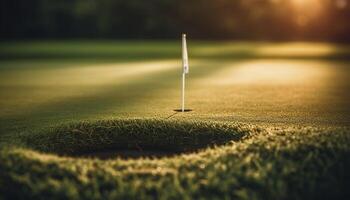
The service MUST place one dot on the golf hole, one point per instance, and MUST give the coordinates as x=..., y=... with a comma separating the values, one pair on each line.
x=180, y=110
x=134, y=139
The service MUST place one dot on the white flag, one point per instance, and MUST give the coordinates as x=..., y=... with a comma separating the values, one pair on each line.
x=184, y=55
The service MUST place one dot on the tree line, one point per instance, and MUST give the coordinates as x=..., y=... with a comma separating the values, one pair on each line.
x=325, y=20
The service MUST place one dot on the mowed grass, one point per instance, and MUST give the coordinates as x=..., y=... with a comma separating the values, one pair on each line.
x=269, y=121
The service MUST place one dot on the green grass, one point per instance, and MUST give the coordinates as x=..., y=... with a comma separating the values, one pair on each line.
x=269, y=120
x=276, y=164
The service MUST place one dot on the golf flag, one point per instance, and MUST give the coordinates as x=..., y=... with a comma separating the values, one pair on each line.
x=184, y=69
x=184, y=55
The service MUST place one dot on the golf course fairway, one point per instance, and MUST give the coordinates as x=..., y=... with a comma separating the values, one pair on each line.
x=268, y=120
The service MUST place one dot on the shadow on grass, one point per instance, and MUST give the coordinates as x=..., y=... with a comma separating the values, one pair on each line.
x=185, y=110
x=117, y=97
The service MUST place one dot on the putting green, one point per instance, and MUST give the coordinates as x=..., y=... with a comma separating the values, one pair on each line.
x=280, y=113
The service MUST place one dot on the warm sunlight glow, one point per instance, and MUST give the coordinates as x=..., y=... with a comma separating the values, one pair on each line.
x=272, y=72
x=305, y=10
x=305, y=3
x=296, y=50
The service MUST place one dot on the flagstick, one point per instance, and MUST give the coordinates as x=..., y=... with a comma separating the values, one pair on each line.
x=185, y=67
x=183, y=92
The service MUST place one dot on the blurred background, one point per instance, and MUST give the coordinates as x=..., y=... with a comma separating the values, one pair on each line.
x=267, y=20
